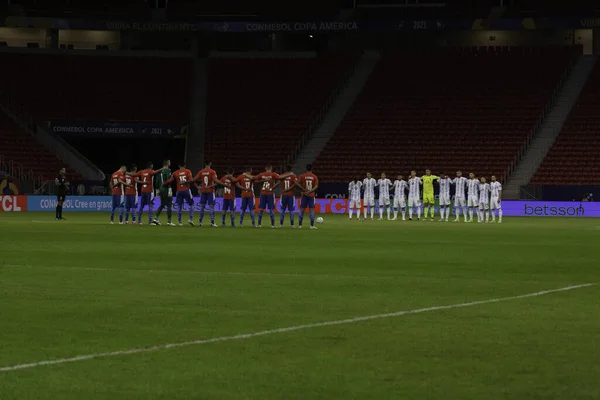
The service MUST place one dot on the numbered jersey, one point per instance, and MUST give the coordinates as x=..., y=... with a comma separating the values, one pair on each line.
x=247, y=184
x=145, y=176
x=269, y=179
x=229, y=191
x=182, y=178
x=384, y=187
x=400, y=188
x=287, y=185
x=461, y=183
x=207, y=177
x=445, y=186
x=368, y=185
x=473, y=187
x=131, y=180
x=117, y=188
x=308, y=181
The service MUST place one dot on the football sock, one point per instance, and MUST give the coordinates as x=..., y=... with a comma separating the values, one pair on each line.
x=133, y=215
x=312, y=217
x=404, y=213
x=260, y=213
x=425, y=211
x=252, y=215
x=211, y=212
x=179, y=214
x=410, y=212
x=201, y=217
x=272, y=214
x=112, y=215
x=192, y=213
x=493, y=212
x=169, y=212
x=242, y=217
x=388, y=213
x=500, y=214
x=350, y=213
x=57, y=213
x=470, y=214
x=291, y=218
x=232, y=215
x=372, y=212
x=281, y=217
x=223, y=218
x=301, y=217
x=395, y=213
x=419, y=212
x=127, y=215
x=487, y=217
x=447, y=212
x=465, y=212
x=365, y=212
x=380, y=212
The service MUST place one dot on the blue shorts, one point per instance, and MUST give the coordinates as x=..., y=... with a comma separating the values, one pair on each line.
x=184, y=196
x=207, y=198
x=228, y=205
x=267, y=200
x=147, y=200
x=130, y=201
x=307, y=202
x=288, y=203
x=248, y=203
x=117, y=201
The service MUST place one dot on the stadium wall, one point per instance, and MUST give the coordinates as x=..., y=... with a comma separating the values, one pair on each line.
x=510, y=208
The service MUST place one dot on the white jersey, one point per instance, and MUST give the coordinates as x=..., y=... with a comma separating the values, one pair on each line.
x=460, y=186
x=413, y=187
x=400, y=188
x=473, y=187
x=368, y=186
x=484, y=192
x=444, y=187
x=384, y=188
x=354, y=190
x=496, y=188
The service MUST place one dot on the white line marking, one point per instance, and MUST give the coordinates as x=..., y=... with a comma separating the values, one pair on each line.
x=280, y=330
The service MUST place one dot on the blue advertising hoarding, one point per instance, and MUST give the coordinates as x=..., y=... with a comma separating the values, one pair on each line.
x=510, y=208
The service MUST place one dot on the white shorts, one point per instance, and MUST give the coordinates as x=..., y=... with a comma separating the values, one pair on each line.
x=445, y=200
x=459, y=201
x=400, y=202
x=495, y=204
x=414, y=201
x=484, y=204
x=384, y=201
x=369, y=201
x=473, y=201
x=354, y=204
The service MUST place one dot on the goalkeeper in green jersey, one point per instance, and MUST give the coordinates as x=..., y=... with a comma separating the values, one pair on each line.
x=428, y=195
x=165, y=193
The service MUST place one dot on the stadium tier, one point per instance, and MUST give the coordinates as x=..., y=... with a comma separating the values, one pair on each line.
x=574, y=159
x=468, y=110
x=99, y=88
x=84, y=8
x=259, y=109
x=22, y=149
x=544, y=8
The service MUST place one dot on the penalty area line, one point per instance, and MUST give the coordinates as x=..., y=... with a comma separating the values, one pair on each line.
x=166, y=346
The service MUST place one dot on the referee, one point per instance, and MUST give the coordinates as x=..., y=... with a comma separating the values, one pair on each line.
x=61, y=192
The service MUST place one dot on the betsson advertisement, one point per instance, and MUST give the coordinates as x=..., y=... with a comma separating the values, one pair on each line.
x=323, y=206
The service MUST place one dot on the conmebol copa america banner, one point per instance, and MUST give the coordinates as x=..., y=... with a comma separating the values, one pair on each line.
x=332, y=206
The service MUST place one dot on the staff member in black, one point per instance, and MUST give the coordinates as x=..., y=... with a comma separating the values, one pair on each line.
x=61, y=191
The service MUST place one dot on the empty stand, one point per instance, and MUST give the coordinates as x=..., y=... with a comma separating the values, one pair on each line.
x=469, y=109
x=22, y=149
x=258, y=109
x=99, y=88
x=544, y=8
x=574, y=159
x=138, y=9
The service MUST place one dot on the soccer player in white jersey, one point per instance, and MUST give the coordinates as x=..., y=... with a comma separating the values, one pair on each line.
x=414, y=194
x=368, y=186
x=460, y=202
x=496, y=189
x=472, y=195
x=400, y=187
x=384, y=195
x=354, y=198
x=444, y=181
x=484, y=200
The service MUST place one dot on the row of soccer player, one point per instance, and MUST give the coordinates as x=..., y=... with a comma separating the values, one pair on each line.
x=472, y=196
x=124, y=184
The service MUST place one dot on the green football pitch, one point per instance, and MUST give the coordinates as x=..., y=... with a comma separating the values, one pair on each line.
x=459, y=311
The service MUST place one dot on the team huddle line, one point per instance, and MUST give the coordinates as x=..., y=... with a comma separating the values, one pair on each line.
x=124, y=186
x=482, y=198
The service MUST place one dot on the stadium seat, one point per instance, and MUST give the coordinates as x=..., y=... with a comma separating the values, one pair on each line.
x=575, y=156
x=469, y=110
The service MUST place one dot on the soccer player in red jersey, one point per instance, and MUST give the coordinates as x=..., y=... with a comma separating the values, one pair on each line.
x=117, y=182
x=208, y=179
x=267, y=195
x=308, y=183
x=147, y=181
x=229, y=196
x=183, y=178
x=131, y=193
x=246, y=184
x=287, y=196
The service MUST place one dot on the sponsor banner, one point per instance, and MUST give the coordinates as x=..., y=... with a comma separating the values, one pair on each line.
x=116, y=129
x=13, y=203
x=323, y=206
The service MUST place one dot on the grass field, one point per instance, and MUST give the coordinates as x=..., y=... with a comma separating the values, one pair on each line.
x=82, y=287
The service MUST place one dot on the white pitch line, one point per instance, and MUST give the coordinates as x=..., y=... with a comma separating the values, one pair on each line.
x=280, y=330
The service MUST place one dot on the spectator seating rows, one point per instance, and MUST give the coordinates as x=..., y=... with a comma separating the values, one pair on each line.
x=259, y=109
x=471, y=110
x=574, y=159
